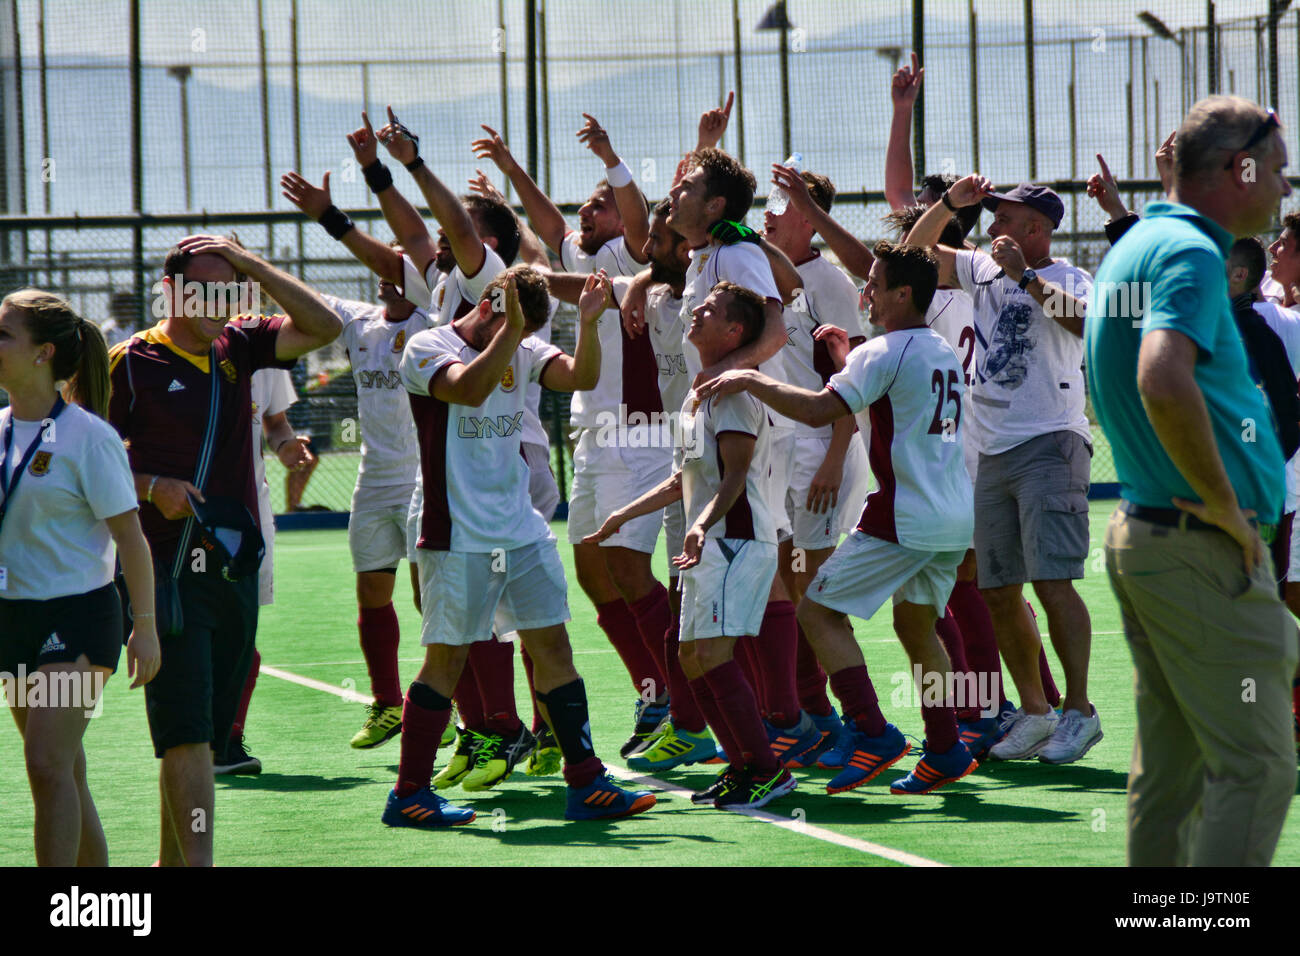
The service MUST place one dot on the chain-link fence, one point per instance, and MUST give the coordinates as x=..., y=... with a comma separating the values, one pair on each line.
x=120, y=120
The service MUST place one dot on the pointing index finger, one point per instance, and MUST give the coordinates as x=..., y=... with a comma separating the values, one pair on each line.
x=726, y=109
x=1105, y=170
x=366, y=120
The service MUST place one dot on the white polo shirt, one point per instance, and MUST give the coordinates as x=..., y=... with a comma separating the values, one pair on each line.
x=54, y=542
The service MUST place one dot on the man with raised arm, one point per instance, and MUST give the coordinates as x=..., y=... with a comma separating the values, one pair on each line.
x=185, y=379
x=912, y=533
x=487, y=557
x=1031, y=491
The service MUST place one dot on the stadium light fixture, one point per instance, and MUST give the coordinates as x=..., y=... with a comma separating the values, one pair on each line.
x=777, y=19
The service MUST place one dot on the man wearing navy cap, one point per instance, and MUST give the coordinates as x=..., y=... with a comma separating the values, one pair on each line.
x=1031, y=490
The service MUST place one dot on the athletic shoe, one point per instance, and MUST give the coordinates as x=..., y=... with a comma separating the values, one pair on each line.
x=546, y=756
x=793, y=742
x=461, y=762
x=649, y=717
x=673, y=748
x=831, y=729
x=754, y=789
x=837, y=754
x=237, y=759
x=495, y=758
x=382, y=724
x=936, y=770
x=725, y=781
x=870, y=756
x=424, y=808
x=605, y=800
x=1074, y=736
x=980, y=734
x=1026, y=735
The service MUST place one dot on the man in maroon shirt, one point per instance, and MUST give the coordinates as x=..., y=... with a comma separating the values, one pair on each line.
x=160, y=404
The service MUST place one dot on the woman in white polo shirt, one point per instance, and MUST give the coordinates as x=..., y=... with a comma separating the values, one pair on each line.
x=66, y=496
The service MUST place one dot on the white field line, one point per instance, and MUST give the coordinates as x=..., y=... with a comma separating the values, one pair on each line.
x=786, y=823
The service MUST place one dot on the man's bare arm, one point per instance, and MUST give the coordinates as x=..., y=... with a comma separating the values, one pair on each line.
x=543, y=214
x=899, y=174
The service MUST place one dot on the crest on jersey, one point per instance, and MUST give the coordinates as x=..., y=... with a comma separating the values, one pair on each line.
x=40, y=464
x=399, y=342
x=228, y=370
x=508, y=379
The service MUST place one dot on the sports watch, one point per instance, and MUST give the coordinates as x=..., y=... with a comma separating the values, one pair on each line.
x=1028, y=276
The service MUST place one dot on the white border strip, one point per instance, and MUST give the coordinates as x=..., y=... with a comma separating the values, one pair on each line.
x=786, y=823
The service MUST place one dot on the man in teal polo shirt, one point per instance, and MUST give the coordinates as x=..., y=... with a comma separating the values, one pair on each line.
x=1202, y=480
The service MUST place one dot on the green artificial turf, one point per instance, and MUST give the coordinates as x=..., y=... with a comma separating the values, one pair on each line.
x=318, y=801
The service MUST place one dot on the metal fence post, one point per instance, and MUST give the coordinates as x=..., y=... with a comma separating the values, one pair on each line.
x=1032, y=125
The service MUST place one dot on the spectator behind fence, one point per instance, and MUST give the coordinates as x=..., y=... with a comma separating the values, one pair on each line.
x=1201, y=477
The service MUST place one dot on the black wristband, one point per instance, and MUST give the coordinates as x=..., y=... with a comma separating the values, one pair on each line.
x=336, y=222
x=416, y=163
x=946, y=201
x=378, y=178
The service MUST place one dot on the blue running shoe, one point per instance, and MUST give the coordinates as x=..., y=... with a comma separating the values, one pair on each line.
x=648, y=718
x=791, y=744
x=604, y=800
x=870, y=756
x=980, y=734
x=936, y=770
x=837, y=754
x=831, y=727
x=424, y=808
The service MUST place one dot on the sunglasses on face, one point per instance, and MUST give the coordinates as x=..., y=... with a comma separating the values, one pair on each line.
x=1264, y=129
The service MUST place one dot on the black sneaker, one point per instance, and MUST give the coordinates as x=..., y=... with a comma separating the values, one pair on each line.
x=725, y=782
x=495, y=757
x=755, y=789
x=236, y=759
x=649, y=718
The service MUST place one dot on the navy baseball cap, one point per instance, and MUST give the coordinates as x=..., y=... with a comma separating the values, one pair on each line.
x=1039, y=198
x=229, y=533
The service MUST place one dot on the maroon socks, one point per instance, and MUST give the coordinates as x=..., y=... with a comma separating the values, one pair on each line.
x=247, y=695
x=379, y=636
x=775, y=650
x=616, y=620
x=852, y=686
x=810, y=679
x=424, y=718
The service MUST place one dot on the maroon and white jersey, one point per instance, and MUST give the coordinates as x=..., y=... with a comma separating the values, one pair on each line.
x=390, y=454
x=663, y=325
x=627, y=369
x=696, y=456
x=746, y=265
x=910, y=383
x=475, y=476
x=827, y=297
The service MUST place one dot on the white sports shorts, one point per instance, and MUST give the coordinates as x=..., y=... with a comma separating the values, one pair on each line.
x=377, y=537
x=725, y=595
x=864, y=571
x=467, y=595
x=815, y=531
x=607, y=477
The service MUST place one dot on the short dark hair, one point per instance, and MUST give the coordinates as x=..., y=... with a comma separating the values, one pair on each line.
x=820, y=188
x=662, y=207
x=725, y=177
x=1292, y=221
x=747, y=310
x=938, y=183
x=176, y=262
x=905, y=217
x=1248, y=253
x=908, y=265
x=501, y=223
x=534, y=295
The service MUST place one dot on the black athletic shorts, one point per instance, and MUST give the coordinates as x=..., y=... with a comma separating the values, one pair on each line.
x=194, y=697
x=60, y=630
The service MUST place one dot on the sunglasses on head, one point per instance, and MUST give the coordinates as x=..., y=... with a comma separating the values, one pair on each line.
x=1266, y=127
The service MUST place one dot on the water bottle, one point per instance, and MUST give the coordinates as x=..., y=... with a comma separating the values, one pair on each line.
x=777, y=199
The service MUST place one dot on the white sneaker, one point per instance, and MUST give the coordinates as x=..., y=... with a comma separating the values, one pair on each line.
x=1074, y=737
x=1027, y=735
